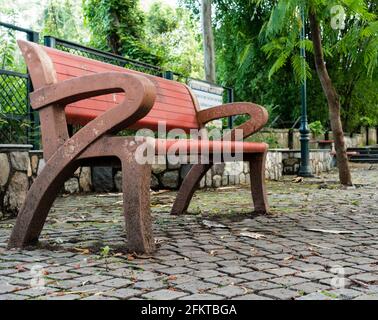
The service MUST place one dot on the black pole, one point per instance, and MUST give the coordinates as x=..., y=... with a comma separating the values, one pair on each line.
x=230, y=99
x=34, y=134
x=305, y=168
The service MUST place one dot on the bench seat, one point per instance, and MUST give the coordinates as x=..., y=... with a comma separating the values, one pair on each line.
x=206, y=146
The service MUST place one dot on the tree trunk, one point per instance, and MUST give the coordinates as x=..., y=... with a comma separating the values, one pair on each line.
x=208, y=41
x=333, y=102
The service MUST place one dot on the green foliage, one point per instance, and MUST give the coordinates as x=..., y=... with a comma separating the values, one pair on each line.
x=118, y=26
x=367, y=122
x=64, y=20
x=261, y=59
x=105, y=251
x=174, y=36
x=352, y=53
x=316, y=128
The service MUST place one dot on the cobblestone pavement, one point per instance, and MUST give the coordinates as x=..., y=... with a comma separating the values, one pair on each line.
x=221, y=252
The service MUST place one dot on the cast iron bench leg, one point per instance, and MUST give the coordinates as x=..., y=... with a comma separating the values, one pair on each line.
x=257, y=174
x=188, y=187
x=136, y=179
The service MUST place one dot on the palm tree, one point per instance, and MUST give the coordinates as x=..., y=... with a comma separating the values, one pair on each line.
x=358, y=41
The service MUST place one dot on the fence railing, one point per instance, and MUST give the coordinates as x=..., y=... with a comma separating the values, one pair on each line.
x=20, y=124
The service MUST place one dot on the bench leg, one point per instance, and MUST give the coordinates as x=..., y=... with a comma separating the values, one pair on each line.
x=188, y=187
x=39, y=199
x=257, y=175
x=136, y=179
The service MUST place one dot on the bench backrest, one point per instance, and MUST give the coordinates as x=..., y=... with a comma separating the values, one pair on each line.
x=174, y=104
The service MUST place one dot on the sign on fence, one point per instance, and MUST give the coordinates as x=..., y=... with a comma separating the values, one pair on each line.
x=208, y=95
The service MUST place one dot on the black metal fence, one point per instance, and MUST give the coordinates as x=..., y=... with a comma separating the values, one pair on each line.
x=18, y=123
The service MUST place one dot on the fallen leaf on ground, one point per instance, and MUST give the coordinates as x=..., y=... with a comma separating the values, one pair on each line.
x=331, y=231
x=252, y=235
x=82, y=251
x=20, y=268
x=212, y=224
x=213, y=252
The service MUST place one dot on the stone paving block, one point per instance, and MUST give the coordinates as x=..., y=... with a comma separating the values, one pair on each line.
x=303, y=266
x=308, y=287
x=202, y=296
x=228, y=291
x=251, y=296
x=261, y=285
x=10, y=296
x=145, y=275
x=368, y=277
x=63, y=284
x=336, y=284
x=99, y=297
x=6, y=287
x=196, y=286
x=283, y=271
x=124, y=293
x=233, y=270
x=181, y=278
x=288, y=280
x=150, y=285
x=279, y=293
x=367, y=297
x=175, y=270
x=116, y=283
x=90, y=289
x=60, y=297
x=164, y=294
x=92, y=279
x=372, y=267
x=202, y=266
x=315, y=296
x=264, y=266
x=345, y=293
x=255, y=275
x=204, y=274
x=37, y=291
x=63, y=276
x=314, y=275
x=360, y=260
x=224, y=280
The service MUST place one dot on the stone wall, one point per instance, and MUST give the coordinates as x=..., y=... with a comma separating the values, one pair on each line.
x=285, y=138
x=170, y=176
x=320, y=161
x=19, y=167
x=15, y=178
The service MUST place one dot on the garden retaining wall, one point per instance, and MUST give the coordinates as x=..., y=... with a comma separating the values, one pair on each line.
x=19, y=167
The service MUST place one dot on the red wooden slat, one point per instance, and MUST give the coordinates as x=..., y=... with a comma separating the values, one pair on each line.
x=158, y=110
x=81, y=116
x=86, y=64
x=173, y=103
x=65, y=72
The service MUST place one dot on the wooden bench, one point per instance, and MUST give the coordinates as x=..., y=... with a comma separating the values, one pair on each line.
x=105, y=99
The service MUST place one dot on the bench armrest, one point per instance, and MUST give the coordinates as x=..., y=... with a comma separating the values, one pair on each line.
x=80, y=88
x=259, y=116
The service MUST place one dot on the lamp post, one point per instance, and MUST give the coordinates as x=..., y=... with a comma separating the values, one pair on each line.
x=304, y=169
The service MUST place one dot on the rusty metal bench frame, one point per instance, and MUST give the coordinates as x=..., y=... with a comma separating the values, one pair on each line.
x=97, y=141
